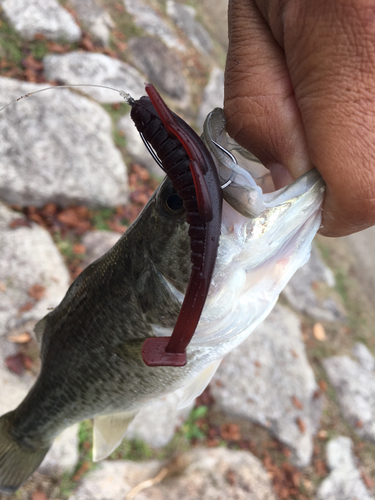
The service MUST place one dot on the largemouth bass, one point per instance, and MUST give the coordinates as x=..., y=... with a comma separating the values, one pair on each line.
x=92, y=365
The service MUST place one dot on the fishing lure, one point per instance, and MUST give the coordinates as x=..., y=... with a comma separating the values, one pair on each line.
x=193, y=174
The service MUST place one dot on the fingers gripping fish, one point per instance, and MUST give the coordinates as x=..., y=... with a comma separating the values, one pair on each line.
x=91, y=344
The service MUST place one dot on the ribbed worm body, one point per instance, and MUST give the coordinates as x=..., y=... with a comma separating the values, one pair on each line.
x=193, y=174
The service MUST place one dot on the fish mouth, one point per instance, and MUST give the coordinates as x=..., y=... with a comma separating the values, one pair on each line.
x=247, y=184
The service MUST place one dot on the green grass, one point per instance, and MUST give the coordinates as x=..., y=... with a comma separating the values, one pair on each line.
x=100, y=218
x=193, y=428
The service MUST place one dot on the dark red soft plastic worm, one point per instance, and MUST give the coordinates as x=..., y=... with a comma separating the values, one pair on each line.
x=193, y=174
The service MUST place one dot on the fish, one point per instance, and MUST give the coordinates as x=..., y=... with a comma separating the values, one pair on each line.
x=92, y=364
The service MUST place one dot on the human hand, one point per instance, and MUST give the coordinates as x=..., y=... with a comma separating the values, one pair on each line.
x=300, y=92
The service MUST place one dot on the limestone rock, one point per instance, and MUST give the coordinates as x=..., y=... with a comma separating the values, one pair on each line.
x=184, y=17
x=48, y=17
x=299, y=291
x=213, y=95
x=63, y=455
x=98, y=69
x=57, y=147
x=355, y=391
x=135, y=147
x=97, y=243
x=364, y=356
x=344, y=481
x=162, y=67
x=158, y=431
x=147, y=18
x=28, y=257
x=202, y=473
x=268, y=380
x=94, y=18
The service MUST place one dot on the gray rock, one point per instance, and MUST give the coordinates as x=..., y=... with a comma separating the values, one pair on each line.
x=57, y=147
x=97, y=243
x=268, y=380
x=184, y=17
x=364, y=356
x=213, y=95
x=94, y=18
x=207, y=474
x=162, y=67
x=135, y=147
x=63, y=455
x=98, y=69
x=157, y=432
x=28, y=257
x=48, y=17
x=344, y=481
x=146, y=18
x=355, y=391
x=299, y=291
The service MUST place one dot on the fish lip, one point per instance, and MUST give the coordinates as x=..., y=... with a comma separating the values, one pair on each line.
x=244, y=194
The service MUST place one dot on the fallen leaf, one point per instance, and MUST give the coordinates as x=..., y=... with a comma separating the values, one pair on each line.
x=79, y=249
x=39, y=495
x=368, y=481
x=301, y=424
x=3, y=286
x=22, y=338
x=319, y=332
x=322, y=434
x=37, y=292
x=323, y=385
x=19, y=222
x=26, y=307
x=359, y=424
x=320, y=467
x=15, y=364
x=297, y=403
x=230, y=432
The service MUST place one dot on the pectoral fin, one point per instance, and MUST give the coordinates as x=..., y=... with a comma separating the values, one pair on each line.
x=108, y=433
x=39, y=329
x=198, y=384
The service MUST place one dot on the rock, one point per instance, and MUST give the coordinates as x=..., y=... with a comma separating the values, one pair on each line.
x=207, y=474
x=344, y=481
x=48, y=17
x=268, y=380
x=94, y=18
x=355, y=392
x=97, y=243
x=299, y=291
x=184, y=17
x=135, y=147
x=57, y=147
x=28, y=257
x=158, y=431
x=213, y=95
x=147, y=19
x=364, y=356
x=98, y=69
x=63, y=455
x=162, y=67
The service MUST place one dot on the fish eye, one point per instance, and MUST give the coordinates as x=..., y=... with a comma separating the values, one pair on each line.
x=174, y=202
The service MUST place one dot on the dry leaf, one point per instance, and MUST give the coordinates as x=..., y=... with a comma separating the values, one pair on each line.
x=301, y=424
x=79, y=248
x=37, y=292
x=3, y=286
x=322, y=434
x=39, y=495
x=22, y=338
x=230, y=432
x=26, y=307
x=323, y=385
x=297, y=403
x=319, y=332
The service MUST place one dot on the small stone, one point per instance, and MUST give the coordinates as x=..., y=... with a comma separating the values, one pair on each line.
x=94, y=18
x=184, y=17
x=162, y=67
x=84, y=67
x=345, y=481
x=146, y=18
x=355, y=392
x=46, y=17
x=364, y=356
